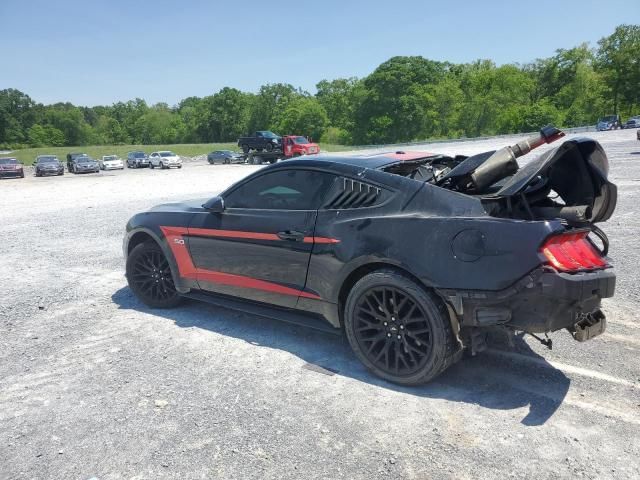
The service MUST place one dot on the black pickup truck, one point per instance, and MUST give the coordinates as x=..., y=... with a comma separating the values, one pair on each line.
x=261, y=140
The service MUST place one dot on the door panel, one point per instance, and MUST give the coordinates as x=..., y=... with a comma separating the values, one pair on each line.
x=239, y=252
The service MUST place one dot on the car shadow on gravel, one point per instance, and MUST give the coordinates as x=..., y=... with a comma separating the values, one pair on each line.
x=489, y=380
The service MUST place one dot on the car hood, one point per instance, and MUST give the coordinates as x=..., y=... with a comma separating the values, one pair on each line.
x=186, y=206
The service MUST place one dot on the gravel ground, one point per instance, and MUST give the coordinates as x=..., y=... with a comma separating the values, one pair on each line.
x=93, y=384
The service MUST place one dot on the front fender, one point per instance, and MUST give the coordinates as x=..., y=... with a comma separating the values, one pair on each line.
x=139, y=234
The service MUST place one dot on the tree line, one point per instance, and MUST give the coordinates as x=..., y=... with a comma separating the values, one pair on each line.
x=403, y=99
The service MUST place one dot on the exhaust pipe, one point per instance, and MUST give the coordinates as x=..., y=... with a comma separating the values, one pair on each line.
x=503, y=162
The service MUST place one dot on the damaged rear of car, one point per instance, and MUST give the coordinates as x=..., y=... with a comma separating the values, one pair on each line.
x=540, y=226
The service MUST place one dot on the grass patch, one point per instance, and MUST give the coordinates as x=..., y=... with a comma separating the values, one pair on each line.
x=28, y=155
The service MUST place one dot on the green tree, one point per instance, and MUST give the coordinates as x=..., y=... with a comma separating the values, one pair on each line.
x=269, y=104
x=303, y=116
x=339, y=99
x=45, y=136
x=394, y=107
x=222, y=117
x=618, y=58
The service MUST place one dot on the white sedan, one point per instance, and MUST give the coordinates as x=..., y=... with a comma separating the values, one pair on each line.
x=164, y=159
x=111, y=162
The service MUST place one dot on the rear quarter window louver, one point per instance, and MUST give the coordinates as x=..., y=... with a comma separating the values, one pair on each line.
x=347, y=193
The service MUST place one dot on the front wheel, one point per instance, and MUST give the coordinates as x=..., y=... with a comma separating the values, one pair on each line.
x=149, y=276
x=151, y=166
x=397, y=329
x=269, y=147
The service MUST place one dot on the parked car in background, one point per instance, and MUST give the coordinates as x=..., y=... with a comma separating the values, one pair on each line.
x=638, y=134
x=164, y=159
x=224, y=156
x=633, y=122
x=610, y=122
x=261, y=140
x=48, y=165
x=71, y=157
x=137, y=159
x=111, y=162
x=11, y=167
x=84, y=164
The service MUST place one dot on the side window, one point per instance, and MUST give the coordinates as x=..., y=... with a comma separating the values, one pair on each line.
x=282, y=190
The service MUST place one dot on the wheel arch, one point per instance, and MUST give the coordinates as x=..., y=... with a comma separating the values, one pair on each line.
x=142, y=235
x=369, y=267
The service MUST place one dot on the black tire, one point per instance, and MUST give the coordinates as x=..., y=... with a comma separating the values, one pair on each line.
x=245, y=148
x=149, y=276
x=269, y=147
x=398, y=329
x=151, y=166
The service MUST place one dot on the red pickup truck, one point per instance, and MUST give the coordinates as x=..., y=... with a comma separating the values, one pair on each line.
x=295, y=145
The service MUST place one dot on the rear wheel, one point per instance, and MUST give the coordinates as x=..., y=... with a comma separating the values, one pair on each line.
x=400, y=331
x=269, y=147
x=149, y=276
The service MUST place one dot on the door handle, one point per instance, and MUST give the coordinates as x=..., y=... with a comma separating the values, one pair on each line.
x=291, y=235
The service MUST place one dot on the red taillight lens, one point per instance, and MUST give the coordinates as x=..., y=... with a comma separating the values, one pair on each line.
x=571, y=252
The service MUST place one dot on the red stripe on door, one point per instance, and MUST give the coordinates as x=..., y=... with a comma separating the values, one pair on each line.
x=248, y=282
x=187, y=269
x=211, y=232
x=320, y=240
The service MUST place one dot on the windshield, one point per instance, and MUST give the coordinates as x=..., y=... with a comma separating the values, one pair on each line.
x=167, y=154
x=110, y=157
x=8, y=161
x=50, y=159
x=266, y=134
x=301, y=140
x=138, y=155
x=608, y=118
x=84, y=159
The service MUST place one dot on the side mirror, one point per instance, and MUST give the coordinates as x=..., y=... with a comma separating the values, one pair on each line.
x=214, y=205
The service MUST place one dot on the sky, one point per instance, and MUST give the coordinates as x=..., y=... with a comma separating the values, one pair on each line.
x=97, y=52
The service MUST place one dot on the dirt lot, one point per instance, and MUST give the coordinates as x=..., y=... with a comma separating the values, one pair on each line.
x=93, y=384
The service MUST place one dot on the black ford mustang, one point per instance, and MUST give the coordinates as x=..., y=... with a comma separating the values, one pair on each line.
x=416, y=256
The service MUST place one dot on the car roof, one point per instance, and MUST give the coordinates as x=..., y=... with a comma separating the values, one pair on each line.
x=373, y=161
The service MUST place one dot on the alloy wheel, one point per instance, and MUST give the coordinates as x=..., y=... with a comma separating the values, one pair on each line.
x=151, y=276
x=392, y=330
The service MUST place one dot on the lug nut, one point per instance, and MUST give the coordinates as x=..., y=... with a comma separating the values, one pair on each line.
x=389, y=335
x=399, y=337
x=401, y=327
x=385, y=324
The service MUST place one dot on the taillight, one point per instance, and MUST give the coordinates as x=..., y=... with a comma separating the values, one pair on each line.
x=572, y=252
